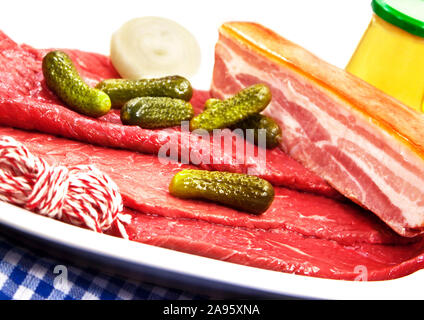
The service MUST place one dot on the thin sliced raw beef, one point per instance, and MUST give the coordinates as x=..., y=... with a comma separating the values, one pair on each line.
x=300, y=233
x=281, y=250
x=26, y=102
x=366, y=144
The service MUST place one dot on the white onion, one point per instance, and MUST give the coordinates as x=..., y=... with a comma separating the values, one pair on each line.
x=154, y=47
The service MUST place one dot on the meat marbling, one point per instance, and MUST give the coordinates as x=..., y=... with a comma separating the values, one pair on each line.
x=366, y=144
x=301, y=232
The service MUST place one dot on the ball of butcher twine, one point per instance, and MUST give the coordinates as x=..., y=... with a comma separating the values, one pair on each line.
x=80, y=195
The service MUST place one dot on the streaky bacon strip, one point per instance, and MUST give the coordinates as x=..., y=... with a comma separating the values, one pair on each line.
x=26, y=103
x=366, y=144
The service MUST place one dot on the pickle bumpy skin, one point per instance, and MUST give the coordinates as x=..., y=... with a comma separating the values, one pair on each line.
x=122, y=90
x=210, y=103
x=236, y=190
x=255, y=122
x=259, y=121
x=226, y=113
x=156, y=112
x=63, y=79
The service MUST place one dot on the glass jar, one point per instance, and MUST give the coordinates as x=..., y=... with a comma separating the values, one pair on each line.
x=390, y=55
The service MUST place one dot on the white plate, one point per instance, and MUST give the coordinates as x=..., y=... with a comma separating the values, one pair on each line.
x=296, y=20
x=191, y=272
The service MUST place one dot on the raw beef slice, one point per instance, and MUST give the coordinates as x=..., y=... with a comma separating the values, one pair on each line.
x=26, y=102
x=300, y=233
x=367, y=145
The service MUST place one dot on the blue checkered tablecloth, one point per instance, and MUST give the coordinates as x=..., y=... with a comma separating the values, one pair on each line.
x=30, y=275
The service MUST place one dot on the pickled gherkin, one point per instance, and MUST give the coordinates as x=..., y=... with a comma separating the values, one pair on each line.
x=63, y=79
x=210, y=102
x=226, y=113
x=255, y=122
x=156, y=112
x=236, y=190
x=122, y=90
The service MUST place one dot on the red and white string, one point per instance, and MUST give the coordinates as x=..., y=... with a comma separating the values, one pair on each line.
x=80, y=195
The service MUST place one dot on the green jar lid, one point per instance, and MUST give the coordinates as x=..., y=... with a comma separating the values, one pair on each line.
x=405, y=14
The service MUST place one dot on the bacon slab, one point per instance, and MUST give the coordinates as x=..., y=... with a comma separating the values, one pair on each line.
x=367, y=145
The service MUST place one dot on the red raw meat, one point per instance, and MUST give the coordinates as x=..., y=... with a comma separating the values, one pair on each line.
x=366, y=144
x=280, y=250
x=300, y=233
x=25, y=102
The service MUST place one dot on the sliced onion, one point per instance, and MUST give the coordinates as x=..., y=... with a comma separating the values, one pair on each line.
x=154, y=47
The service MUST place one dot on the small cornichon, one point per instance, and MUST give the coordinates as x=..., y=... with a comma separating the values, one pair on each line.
x=226, y=113
x=236, y=190
x=63, y=79
x=156, y=112
x=256, y=122
x=122, y=90
x=210, y=103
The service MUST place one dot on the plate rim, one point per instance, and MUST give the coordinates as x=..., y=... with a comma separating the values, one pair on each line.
x=184, y=264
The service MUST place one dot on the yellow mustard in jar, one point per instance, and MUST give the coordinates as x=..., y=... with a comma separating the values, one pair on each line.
x=390, y=55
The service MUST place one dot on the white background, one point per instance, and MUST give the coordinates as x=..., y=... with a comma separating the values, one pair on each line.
x=330, y=29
